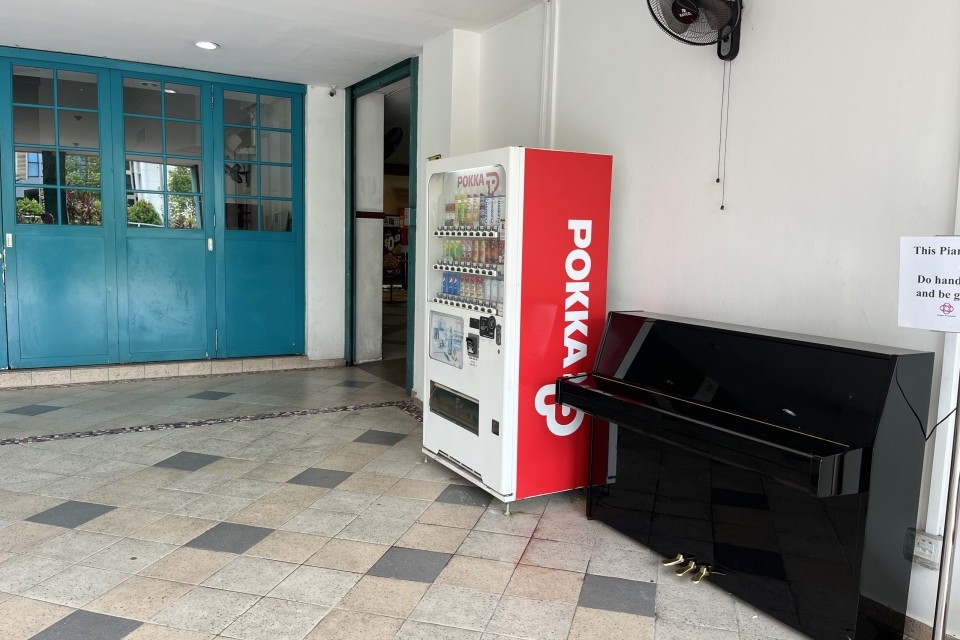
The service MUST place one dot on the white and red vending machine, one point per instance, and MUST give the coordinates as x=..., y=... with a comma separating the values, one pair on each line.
x=516, y=263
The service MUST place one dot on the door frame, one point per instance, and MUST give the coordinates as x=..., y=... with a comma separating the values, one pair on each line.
x=407, y=69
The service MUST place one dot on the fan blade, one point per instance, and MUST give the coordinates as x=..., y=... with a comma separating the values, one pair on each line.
x=719, y=13
x=670, y=22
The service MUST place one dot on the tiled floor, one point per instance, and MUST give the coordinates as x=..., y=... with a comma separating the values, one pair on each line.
x=307, y=523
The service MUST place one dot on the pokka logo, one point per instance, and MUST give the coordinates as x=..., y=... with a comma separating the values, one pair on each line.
x=490, y=180
x=577, y=305
x=946, y=309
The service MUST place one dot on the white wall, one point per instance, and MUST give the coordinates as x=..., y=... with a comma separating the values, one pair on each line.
x=844, y=134
x=510, y=77
x=324, y=233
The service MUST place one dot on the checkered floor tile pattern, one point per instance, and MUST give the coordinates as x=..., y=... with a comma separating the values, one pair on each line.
x=322, y=526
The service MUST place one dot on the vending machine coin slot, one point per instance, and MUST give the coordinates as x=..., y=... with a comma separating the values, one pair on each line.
x=495, y=427
x=498, y=335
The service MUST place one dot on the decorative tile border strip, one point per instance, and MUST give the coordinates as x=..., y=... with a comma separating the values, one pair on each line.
x=407, y=406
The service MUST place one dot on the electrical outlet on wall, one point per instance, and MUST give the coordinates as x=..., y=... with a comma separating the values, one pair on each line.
x=925, y=549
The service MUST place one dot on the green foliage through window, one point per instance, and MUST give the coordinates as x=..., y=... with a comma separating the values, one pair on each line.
x=144, y=212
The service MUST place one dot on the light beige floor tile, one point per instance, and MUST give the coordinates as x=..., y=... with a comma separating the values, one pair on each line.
x=431, y=537
x=206, y=610
x=413, y=630
x=374, y=530
x=139, y=598
x=213, y=507
x=272, y=619
x=348, y=555
x=557, y=555
x=756, y=623
x=74, y=545
x=129, y=555
x=23, y=618
x=384, y=596
x=288, y=546
x=22, y=572
x=594, y=623
x=515, y=524
x=20, y=506
x=343, y=461
x=540, y=583
x=568, y=525
x=267, y=512
x=192, y=566
x=122, y=521
x=641, y=565
x=406, y=509
x=158, y=632
x=456, y=607
x=319, y=523
x=705, y=605
x=451, y=515
x=665, y=629
x=231, y=467
x=76, y=586
x=246, y=574
x=342, y=624
x=365, y=482
x=345, y=502
x=315, y=585
x=533, y=619
x=23, y=536
x=419, y=489
x=476, y=573
x=173, y=529
x=272, y=472
x=494, y=546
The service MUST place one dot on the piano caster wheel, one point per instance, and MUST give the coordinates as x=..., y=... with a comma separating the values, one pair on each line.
x=687, y=568
x=680, y=559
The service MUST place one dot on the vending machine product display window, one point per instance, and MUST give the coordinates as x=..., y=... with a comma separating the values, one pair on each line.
x=516, y=264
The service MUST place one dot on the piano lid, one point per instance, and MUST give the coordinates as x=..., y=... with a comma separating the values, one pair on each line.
x=832, y=390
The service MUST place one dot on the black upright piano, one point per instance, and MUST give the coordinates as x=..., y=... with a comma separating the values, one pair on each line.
x=783, y=468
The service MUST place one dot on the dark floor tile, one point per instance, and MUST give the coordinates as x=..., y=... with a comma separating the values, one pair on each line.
x=89, y=625
x=314, y=477
x=188, y=461
x=71, y=514
x=353, y=384
x=617, y=594
x=211, y=395
x=230, y=537
x=379, y=437
x=410, y=564
x=33, y=409
x=465, y=494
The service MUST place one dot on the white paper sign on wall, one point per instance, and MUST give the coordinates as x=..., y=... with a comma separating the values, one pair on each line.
x=930, y=283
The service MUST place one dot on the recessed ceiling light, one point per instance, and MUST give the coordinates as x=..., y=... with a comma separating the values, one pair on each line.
x=206, y=44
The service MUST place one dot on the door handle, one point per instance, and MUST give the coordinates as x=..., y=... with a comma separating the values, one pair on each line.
x=209, y=244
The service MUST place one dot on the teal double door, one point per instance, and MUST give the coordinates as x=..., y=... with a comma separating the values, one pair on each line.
x=147, y=216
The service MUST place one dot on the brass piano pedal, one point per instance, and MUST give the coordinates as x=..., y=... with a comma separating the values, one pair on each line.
x=703, y=572
x=680, y=559
x=687, y=568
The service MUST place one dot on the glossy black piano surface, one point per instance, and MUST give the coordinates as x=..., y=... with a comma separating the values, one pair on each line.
x=789, y=464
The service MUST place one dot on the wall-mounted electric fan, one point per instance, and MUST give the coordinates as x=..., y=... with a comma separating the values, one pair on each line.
x=701, y=22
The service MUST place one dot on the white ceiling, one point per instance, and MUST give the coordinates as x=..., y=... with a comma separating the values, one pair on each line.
x=310, y=41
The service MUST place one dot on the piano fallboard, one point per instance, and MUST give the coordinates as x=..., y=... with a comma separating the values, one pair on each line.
x=818, y=466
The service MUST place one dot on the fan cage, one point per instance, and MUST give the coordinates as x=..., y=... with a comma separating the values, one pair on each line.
x=699, y=33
